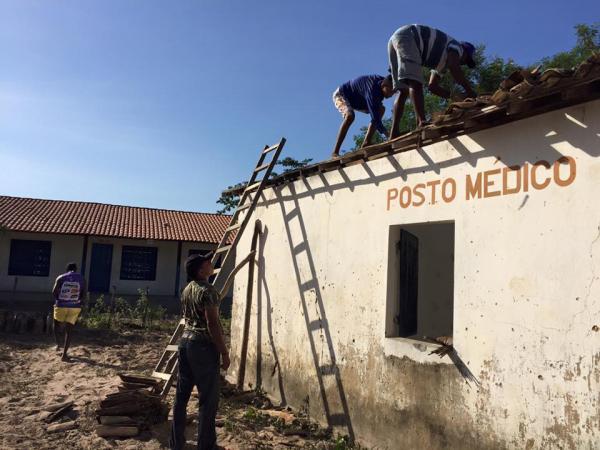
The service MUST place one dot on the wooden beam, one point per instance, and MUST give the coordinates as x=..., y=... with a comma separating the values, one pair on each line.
x=249, y=286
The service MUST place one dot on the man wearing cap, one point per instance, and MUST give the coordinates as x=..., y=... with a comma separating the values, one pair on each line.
x=413, y=47
x=201, y=348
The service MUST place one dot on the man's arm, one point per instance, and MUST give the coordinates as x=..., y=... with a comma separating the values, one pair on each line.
x=434, y=85
x=216, y=334
x=453, y=64
x=376, y=111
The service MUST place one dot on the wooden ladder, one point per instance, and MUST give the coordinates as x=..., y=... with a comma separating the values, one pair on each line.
x=166, y=369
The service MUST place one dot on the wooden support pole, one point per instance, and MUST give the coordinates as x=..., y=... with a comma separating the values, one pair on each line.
x=246, y=330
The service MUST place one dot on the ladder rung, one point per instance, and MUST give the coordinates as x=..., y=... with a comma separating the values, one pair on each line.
x=263, y=167
x=270, y=149
x=328, y=369
x=253, y=186
x=172, y=348
x=307, y=285
x=316, y=325
x=299, y=248
x=233, y=227
x=337, y=419
x=216, y=270
x=222, y=249
x=291, y=214
x=162, y=376
x=245, y=206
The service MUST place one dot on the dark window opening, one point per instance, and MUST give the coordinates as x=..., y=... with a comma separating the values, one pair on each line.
x=29, y=258
x=421, y=281
x=138, y=263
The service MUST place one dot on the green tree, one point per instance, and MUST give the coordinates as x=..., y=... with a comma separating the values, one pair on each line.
x=229, y=200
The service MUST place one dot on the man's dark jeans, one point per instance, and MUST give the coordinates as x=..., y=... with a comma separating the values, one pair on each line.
x=198, y=366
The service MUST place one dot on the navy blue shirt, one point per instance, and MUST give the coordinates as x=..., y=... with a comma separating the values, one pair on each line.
x=364, y=94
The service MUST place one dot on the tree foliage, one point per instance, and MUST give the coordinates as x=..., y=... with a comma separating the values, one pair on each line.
x=490, y=71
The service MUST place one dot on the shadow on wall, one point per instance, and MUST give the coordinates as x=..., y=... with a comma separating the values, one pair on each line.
x=542, y=138
x=333, y=396
x=263, y=289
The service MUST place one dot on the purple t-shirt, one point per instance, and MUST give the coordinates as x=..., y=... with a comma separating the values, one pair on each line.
x=69, y=289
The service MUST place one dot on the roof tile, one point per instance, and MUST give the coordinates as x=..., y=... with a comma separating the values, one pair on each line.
x=99, y=219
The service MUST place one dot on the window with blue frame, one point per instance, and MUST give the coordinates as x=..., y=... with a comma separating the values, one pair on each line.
x=138, y=263
x=29, y=258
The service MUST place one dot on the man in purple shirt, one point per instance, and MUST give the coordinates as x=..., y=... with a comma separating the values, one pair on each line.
x=364, y=94
x=69, y=289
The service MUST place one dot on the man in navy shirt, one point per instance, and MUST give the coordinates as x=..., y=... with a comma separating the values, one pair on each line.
x=364, y=94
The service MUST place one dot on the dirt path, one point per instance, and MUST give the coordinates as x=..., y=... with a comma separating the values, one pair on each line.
x=33, y=376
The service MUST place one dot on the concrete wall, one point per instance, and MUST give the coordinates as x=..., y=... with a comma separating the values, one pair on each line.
x=66, y=248
x=526, y=292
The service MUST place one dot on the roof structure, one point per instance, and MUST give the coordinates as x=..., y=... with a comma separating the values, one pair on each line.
x=98, y=219
x=523, y=94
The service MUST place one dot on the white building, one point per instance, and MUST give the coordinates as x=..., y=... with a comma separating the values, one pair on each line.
x=119, y=249
x=490, y=237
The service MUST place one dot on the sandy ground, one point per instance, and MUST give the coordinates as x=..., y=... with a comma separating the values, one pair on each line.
x=32, y=376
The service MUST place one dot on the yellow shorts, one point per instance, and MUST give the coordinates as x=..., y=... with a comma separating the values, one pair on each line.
x=69, y=315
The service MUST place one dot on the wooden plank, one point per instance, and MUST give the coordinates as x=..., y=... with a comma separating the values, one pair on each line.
x=116, y=420
x=249, y=287
x=117, y=431
x=223, y=249
x=162, y=376
x=60, y=427
x=260, y=168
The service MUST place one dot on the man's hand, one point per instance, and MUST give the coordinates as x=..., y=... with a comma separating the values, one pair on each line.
x=225, y=361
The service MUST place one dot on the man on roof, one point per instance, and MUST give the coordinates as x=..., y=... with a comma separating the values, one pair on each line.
x=364, y=94
x=413, y=47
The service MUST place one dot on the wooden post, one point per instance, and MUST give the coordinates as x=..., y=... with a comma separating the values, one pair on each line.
x=249, y=286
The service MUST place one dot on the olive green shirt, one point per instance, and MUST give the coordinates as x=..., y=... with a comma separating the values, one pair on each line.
x=196, y=296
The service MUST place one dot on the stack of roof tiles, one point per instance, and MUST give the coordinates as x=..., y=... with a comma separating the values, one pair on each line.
x=97, y=219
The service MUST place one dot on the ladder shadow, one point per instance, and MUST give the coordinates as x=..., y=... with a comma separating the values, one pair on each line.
x=262, y=287
x=336, y=413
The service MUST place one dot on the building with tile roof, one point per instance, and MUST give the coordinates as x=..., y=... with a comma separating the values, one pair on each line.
x=119, y=249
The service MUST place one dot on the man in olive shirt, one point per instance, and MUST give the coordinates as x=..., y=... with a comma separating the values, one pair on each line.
x=201, y=346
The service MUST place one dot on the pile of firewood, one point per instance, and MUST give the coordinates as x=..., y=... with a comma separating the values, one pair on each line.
x=133, y=408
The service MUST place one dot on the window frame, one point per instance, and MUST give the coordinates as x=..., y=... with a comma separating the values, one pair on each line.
x=126, y=254
x=15, y=267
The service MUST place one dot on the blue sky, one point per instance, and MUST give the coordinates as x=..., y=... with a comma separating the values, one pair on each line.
x=164, y=103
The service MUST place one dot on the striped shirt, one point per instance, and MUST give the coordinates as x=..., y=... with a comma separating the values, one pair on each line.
x=433, y=45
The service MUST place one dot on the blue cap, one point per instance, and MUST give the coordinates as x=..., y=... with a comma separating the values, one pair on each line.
x=469, y=50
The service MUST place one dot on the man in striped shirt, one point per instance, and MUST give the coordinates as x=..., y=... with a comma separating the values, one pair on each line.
x=413, y=47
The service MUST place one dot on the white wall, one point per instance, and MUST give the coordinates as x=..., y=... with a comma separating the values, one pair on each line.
x=67, y=248
x=526, y=293
x=64, y=250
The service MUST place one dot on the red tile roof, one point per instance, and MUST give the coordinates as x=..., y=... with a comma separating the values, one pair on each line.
x=98, y=219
